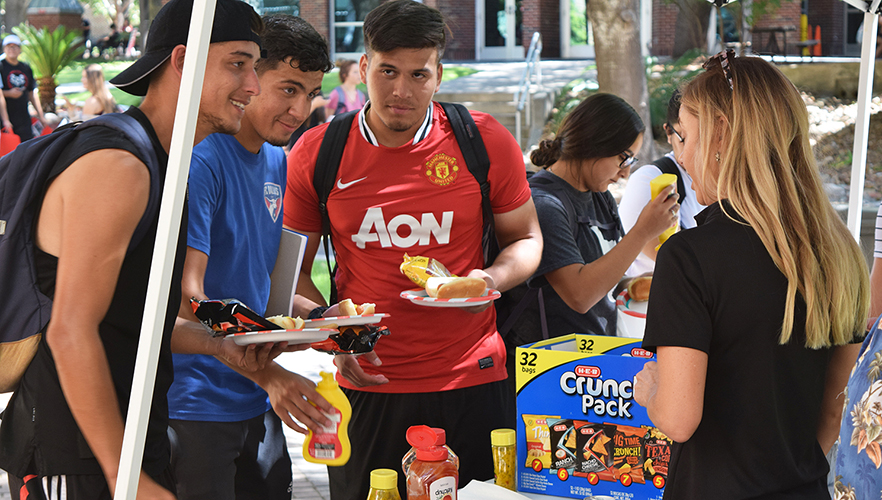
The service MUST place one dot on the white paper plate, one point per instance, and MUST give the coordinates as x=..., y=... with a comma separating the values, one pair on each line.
x=304, y=336
x=369, y=319
x=419, y=297
x=631, y=316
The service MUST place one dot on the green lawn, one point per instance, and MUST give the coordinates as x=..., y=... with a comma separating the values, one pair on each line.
x=112, y=68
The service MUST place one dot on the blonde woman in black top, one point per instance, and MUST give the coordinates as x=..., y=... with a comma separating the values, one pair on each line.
x=753, y=314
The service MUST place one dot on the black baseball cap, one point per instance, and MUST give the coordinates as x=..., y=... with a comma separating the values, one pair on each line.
x=170, y=28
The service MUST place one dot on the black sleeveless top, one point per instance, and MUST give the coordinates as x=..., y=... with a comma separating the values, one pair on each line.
x=38, y=434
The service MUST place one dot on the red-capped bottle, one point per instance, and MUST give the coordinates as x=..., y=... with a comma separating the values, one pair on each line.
x=441, y=440
x=431, y=476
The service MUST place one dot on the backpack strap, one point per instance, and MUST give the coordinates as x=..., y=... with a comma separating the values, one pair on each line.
x=669, y=166
x=326, y=166
x=341, y=101
x=475, y=155
x=133, y=130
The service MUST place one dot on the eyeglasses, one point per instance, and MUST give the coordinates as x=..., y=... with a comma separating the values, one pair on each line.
x=628, y=159
x=723, y=58
x=674, y=131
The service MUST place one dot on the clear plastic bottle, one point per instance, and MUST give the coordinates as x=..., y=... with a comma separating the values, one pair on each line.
x=431, y=476
x=503, y=443
x=384, y=485
x=441, y=440
x=331, y=445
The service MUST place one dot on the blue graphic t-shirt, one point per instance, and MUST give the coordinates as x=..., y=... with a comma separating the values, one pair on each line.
x=235, y=219
x=858, y=460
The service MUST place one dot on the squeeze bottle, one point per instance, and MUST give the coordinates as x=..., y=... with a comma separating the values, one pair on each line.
x=441, y=440
x=431, y=476
x=655, y=187
x=331, y=445
x=384, y=485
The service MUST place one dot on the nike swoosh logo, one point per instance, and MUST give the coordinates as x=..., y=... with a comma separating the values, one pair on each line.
x=342, y=185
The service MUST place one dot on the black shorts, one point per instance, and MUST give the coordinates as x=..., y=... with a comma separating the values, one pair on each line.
x=231, y=460
x=379, y=422
x=71, y=487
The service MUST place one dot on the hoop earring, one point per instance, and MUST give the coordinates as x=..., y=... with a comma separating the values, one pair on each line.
x=717, y=157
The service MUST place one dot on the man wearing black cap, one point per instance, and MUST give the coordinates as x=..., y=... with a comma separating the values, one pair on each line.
x=61, y=434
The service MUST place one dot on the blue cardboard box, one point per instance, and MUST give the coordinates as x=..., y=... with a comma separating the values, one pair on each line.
x=580, y=432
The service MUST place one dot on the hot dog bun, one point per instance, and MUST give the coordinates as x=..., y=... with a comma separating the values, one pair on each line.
x=638, y=288
x=455, y=288
x=287, y=322
x=348, y=308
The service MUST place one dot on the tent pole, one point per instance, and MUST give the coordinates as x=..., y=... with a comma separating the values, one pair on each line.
x=170, y=213
x=862, y=124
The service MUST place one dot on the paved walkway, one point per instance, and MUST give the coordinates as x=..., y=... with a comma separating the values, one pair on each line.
x=505, y=76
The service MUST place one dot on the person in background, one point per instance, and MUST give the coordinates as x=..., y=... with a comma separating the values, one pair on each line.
x=19, y=89
x=100, y=101
x=753, y=314
x=593, y=148
x=346, y=97
x=227, y=440
x=637, y=191
x=61, y=434
x=440, y=367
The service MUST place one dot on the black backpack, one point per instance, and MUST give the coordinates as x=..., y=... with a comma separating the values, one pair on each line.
x=467, y=136
x=24, y=173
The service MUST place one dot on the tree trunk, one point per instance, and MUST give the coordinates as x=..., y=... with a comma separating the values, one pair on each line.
x=16, y=13
x=47, y=93
x=620, y=67
x=691, y=28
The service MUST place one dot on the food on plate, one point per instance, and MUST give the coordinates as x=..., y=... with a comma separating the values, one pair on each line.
x=455, y=288
x=419, y=269
x=348, y=308
x=638, y=288
x=287, y=322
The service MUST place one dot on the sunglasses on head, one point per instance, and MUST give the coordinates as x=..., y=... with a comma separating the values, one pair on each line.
x=723, y=58
x=628, y=159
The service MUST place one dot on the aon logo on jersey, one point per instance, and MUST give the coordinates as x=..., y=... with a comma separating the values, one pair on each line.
x=403, y=231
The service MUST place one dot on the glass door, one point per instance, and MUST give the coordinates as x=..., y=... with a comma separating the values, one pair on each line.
x=501, y=31
x=576, y=36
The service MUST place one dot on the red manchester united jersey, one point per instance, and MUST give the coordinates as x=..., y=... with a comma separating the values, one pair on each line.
x=418, y=199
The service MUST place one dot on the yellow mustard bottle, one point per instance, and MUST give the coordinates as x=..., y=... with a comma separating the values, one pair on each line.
x=330, y=446
x=384, y=485
x=502, y=442
x=655, y=187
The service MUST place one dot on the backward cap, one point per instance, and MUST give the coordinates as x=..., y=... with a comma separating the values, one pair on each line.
x=170, y=28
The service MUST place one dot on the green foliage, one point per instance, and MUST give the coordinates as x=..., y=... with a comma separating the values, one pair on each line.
x=661, y=84
x=49, y=52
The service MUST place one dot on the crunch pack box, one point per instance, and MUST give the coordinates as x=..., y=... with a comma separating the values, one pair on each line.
x=580, y=432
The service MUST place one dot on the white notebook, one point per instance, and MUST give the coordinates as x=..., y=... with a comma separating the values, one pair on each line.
x=285, y=273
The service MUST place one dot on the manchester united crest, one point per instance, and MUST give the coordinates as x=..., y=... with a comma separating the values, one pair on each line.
x=441, y=169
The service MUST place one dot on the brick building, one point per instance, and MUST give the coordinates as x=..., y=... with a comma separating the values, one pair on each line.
x=479, y=28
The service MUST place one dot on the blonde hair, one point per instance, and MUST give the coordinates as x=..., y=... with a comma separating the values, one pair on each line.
x=767, y=172
x=95, y=85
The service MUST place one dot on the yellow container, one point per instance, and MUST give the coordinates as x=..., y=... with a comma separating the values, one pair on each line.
x=384, y=485
x=331, y=445
x=655, y=186
x=503, y=443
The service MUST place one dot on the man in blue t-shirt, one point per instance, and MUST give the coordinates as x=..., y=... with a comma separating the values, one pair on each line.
x=227, y=441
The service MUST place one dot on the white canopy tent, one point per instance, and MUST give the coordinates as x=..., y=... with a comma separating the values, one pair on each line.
x=170, y=213
x=175, y=188
x=862, y=122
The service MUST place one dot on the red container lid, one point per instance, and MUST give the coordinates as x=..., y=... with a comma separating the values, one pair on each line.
x=441, y=436
x=432, y=454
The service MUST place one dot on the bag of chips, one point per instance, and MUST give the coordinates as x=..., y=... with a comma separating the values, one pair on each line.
x=628, y=459
x=538, y=441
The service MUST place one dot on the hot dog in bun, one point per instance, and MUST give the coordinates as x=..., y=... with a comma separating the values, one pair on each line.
x=455, y=288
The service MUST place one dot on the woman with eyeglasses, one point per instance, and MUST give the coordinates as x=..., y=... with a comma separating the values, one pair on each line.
x=585, y=253
x=753, y=314
x=637, y=192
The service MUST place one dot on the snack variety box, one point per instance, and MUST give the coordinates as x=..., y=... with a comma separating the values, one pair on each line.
x=580, y=432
